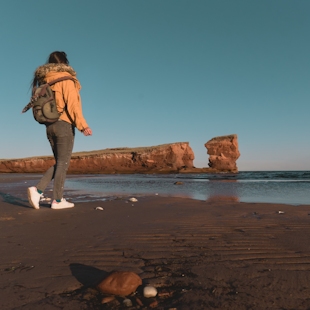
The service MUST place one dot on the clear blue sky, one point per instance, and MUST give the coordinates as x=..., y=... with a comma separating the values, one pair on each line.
x=163, y=71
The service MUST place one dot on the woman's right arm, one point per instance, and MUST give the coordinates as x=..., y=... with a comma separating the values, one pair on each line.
x=74, y=106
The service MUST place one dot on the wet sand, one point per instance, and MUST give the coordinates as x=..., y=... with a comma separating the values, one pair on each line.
x=199, y=254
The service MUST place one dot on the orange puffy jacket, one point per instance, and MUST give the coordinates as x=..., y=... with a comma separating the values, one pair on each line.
x=68, y=99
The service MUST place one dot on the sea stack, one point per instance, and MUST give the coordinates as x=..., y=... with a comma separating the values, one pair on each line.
x=223, y=153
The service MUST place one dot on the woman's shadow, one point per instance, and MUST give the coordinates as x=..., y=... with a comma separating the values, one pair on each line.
x=13, y=200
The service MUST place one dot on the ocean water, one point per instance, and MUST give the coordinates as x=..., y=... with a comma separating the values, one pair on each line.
x=289, y=187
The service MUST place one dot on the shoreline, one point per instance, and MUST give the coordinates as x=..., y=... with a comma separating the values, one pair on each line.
x=199, y=254
x=243, y=188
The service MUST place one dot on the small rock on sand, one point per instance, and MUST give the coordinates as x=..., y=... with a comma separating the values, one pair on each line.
x=178, y=183
x=149, y=291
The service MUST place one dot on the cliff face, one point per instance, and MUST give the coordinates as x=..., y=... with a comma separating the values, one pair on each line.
x=223, y=153
x=155, y=159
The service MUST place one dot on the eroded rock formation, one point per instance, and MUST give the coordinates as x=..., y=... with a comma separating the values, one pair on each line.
x=223, y=153
x=163, y=158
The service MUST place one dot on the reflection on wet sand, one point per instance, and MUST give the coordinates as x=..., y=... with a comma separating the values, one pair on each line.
x=223, y=199
x=259, y=187
x=217, y=193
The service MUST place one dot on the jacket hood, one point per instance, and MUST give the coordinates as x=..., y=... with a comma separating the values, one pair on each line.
x=42, y=71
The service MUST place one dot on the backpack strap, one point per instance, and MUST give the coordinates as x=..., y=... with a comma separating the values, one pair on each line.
x=43, y=90
x=60, y=79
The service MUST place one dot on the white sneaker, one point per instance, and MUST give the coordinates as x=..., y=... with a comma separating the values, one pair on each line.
x=63, y=204
x=34, y=197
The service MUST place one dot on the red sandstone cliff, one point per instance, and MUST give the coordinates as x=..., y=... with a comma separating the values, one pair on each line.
x=155, y=159
x=223, y=153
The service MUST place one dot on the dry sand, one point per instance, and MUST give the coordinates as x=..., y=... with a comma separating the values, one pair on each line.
x=199, y=255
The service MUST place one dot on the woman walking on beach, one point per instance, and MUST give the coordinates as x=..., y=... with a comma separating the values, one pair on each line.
x=60, y=133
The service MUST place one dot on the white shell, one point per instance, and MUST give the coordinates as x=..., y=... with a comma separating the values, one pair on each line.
x=99, y=208
x=45, y=199
x=133, y=199
x=149, y=291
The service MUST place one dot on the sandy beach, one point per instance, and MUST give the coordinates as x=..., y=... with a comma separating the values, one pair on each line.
x=198, y=254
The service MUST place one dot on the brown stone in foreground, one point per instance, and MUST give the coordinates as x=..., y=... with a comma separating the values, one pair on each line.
x=165, y=158
x=121, y=283
x=223, y=153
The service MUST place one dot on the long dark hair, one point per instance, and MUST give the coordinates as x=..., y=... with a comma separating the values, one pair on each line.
x=54, y=58
x=58, y=58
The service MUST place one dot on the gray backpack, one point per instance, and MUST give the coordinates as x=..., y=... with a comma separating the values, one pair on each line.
x=43, y=102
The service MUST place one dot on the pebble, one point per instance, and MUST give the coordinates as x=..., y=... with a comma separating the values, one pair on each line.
x=281, y=212
x=108, y=299
x=45, y=199
x=154, y=304
x=139, y=302
x=99, y=208
x=178, y=183
x=149, y=291
x=165, y=294
x=127, y=302
x=133, y=199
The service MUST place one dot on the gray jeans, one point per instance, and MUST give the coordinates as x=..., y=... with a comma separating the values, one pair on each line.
x=61, y=137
